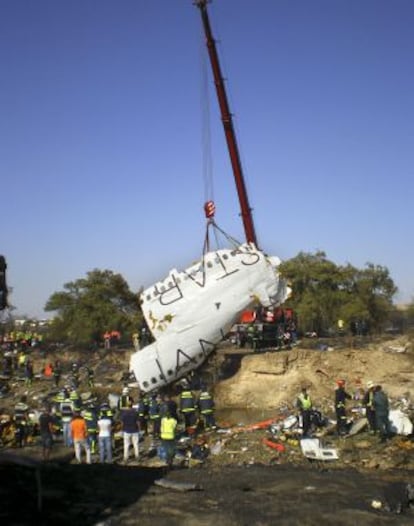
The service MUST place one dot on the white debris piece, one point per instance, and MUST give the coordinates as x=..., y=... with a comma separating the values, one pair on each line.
x=312, y=449
x=290, y=422
x=400, y=423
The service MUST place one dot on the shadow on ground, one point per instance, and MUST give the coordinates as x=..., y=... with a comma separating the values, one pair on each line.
x=71, y=494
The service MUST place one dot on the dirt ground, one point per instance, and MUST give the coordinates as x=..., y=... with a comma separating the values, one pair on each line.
x=245, y=481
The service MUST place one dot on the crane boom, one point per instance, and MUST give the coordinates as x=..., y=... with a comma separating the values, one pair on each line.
x=227, y=120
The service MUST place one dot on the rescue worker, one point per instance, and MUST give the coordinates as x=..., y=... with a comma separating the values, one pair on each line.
x=124, y=399
x=75, y=399
x=28, y=372
x=368, y=403
x=75, y=374
x=154, y=415
x=187, y=408
x=206, y=409
x=252, y=336
x=304, y=404
x=167, y=433
x=91, y=418
x=57, y=373
x=142, y=410
x=105, y=410
x=341, y=396
x=66, y=412
x=48, y=372
x=91, y=377
x=107, y=340
x=22, y=360
x=61, y=396
x=381, y=406
x=168, y=405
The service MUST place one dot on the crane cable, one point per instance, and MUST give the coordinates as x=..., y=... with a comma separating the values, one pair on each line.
x=207, y=156
x=206, y=127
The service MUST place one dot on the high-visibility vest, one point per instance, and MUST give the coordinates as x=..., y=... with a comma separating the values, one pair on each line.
x=370, y=401
x=187, y=402
x=91, y=420
x=154, y=409
x=205, y=403
x=168, y=425
x=124, y=401
x=306, y=402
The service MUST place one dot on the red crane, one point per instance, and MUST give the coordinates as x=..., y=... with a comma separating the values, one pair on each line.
x=226, y=117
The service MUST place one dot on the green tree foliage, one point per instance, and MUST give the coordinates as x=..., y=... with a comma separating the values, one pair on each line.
x=90, y=306
x=323, y=292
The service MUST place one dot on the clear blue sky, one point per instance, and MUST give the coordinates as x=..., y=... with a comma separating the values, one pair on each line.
x=101, y=126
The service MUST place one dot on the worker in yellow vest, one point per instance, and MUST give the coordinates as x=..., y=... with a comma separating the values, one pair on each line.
x=167, y=435
x=304, y=404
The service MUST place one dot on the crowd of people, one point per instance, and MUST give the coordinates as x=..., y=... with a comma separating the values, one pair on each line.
x=91, y=427
x=94, y=427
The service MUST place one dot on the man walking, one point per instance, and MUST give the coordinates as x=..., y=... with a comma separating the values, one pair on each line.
x=130, y=428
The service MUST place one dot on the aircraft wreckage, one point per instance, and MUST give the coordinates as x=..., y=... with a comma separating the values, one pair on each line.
x=191, y=311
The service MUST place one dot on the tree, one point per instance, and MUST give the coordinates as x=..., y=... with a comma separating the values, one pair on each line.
x=323, y=293
x=375, y=289
x=90, y=306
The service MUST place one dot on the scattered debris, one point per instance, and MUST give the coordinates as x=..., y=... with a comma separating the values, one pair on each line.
x=312, y=449
x=274, y=445
x=358, y=426
x=178, y=486
x=400, y=423
x=397, y=348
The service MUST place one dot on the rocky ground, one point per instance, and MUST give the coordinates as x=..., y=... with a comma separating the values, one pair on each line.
x=242, y=481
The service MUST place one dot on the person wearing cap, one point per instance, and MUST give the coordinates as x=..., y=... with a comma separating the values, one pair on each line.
x=341, y=396
x=368, y=403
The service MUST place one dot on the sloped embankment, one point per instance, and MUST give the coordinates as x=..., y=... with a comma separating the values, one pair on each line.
x=268, y=380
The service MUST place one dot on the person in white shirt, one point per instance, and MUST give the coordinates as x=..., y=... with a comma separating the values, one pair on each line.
x=105, y=439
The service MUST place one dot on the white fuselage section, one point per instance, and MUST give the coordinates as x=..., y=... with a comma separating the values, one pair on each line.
x=190, y=311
